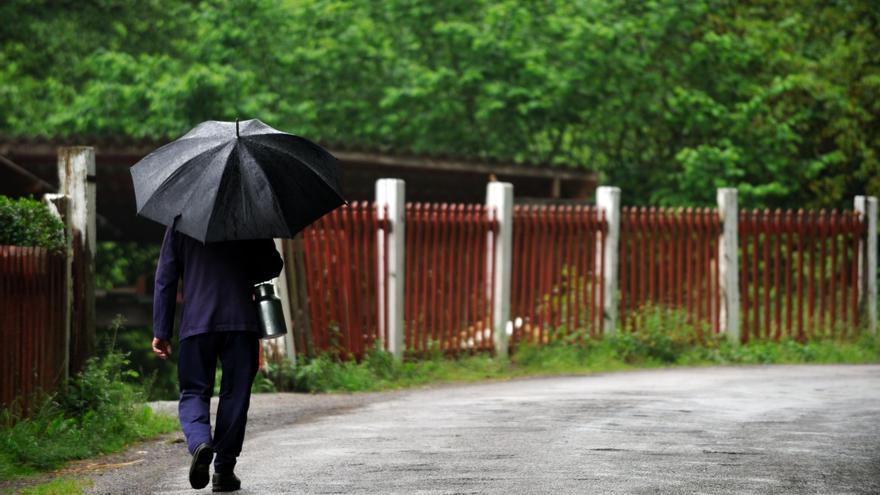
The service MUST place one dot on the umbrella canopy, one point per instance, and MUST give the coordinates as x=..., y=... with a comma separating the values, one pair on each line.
x=231, y=180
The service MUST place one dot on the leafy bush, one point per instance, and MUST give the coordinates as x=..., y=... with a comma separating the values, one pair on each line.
x=121, y=263
x=158, y=377
x=323, y=373
x=28, y=222
x=663, y=335
x=99, y=411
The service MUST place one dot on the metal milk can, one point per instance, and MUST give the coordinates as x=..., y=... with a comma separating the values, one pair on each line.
x=272, y=323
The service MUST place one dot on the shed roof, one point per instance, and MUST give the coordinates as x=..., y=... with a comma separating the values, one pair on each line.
x=28, y=166
x=402, y=158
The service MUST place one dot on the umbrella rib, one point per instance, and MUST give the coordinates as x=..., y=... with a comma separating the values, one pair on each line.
x=180, y=167
x=306, y=165
x=272, y=189
x=176, y=141
x=167, y=182
x=216, y=193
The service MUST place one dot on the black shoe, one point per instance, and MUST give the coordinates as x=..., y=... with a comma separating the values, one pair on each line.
x=225, y=482
x=201, y=463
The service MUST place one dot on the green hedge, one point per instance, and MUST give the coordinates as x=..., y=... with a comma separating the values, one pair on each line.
x=28, y=222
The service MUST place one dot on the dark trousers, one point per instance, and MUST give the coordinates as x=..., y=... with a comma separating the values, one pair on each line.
x=238, y=353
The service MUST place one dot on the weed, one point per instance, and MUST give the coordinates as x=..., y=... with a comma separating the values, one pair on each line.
x=99, y=411
x=664, y=338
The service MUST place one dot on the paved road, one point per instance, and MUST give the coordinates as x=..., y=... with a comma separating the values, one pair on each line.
x=143, y=468
x=780, y=429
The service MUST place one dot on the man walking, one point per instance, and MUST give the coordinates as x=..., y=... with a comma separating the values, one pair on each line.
x=219, y=321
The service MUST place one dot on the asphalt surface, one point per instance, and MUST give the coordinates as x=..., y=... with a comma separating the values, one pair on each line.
x=779, y=429
x=146, y=467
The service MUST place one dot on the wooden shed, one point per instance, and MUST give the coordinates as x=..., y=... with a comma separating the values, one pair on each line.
x=28, y=167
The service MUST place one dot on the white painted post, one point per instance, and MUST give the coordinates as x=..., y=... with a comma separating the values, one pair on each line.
x=867, y=207
x=390, y=193
x=76, y=177
x=608, y=200
x=499, y=198
x=728, y=265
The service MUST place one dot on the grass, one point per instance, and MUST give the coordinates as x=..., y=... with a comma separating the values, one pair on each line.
x=60, y=486
x=664, y=339
x=101, y=410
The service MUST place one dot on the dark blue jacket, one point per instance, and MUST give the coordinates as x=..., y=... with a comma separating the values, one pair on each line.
x=218, y=282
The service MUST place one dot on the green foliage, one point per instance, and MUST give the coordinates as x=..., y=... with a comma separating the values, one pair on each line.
x=99, y=411
x=278, y=376
x=28, y=222
x=120, y=263
x=156, y=378
x=664, y=338
x=325, y=374
x=378, y=370
x=668, y=99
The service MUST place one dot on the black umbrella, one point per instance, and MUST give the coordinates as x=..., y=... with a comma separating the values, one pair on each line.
x=229, y=181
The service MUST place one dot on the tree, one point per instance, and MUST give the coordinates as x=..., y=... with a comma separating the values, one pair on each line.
x=667, y=99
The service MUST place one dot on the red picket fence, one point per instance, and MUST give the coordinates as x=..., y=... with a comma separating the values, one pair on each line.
x=669, y=258
x=341, y=272
x=556, y=285
x=449, y=278
x=32, y=332
x=798, y=273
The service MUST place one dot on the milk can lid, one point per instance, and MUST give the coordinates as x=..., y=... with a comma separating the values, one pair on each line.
x=265, y=289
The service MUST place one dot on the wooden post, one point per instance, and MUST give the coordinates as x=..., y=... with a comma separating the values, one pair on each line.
x=76, y=178
x=728, y=264
x=556, y=188
x=608, y=200
x=499, y=198
x=302, y=325
x=283, y=347
x=390, y=193
x=59, y=204
x=867, y=207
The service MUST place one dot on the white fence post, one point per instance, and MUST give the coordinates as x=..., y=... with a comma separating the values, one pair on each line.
x=867, y=207
x=608, y=200
x=499, y=198
x=76, y=177
x=728, y=265
x=390, y=193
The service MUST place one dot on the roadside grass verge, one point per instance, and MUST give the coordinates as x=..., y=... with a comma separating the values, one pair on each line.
x=100, y=410
x=60, y=486
x=664, y=339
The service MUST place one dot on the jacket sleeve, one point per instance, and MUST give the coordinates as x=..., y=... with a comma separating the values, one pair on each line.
x=165, y=292
x=265, y=262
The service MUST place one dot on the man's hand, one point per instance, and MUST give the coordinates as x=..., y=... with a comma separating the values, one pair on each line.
x=161, y=348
